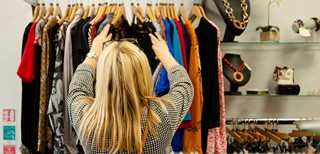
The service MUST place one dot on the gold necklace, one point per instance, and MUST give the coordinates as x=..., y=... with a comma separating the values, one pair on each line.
x=245, y=16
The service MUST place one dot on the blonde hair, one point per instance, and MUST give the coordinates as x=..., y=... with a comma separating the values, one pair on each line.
x=123, y=88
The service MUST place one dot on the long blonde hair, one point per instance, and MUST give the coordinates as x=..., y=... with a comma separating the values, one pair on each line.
x=123, y=89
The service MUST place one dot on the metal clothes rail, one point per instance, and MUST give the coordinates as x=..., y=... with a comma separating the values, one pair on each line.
x=284, y=121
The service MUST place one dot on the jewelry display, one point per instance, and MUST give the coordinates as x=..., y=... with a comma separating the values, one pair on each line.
x=317, y=21
x=236, y=71
x=245, y=16
x=237, y=75
x=300, y=23
x=285, y=81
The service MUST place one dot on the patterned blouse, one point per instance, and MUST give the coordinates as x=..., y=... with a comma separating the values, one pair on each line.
x=181, y=94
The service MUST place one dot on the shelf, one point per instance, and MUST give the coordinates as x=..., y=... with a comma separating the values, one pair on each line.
x=270, y=46
x=274, y=95
x=270, y=43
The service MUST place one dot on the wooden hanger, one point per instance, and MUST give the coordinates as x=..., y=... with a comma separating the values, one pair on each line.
x=81, y=6
x=150, y=12
x=101, y=11
x=195, y=13
x=202, y=12
x=298, y=133
x=74, y=10
x=70, y=11
x=57, y=12
x=274, y=130
x=269, y=135
x=91, y=10
x=49, y=12
x=136, y=13
x=163, y=10
x=140, y=10
x=167, y=8
x=42, y=12
x=97, y=9
x=86, y=12
x=65, y=15
x=236, y=136
x=114, y=8
x=36, y=12
x=174, y=11
x=108, y=8
x=157, y=10
x=252, y=131
x=182, y=13
x=120, y=12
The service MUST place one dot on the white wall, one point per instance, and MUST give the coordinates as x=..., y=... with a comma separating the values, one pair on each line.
x=15, y=15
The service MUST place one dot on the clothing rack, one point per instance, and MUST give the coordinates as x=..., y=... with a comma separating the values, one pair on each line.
x=282, y=121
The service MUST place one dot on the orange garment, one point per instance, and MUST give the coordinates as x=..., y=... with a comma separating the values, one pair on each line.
x=192, y=136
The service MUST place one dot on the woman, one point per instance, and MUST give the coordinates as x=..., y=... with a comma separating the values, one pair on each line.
x=121, y=115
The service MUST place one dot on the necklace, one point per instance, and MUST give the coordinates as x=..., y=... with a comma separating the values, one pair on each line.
x=237, y=75
x=245, y=16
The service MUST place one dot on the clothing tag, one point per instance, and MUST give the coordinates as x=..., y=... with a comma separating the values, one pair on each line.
x=304, y=32
x=247, y=66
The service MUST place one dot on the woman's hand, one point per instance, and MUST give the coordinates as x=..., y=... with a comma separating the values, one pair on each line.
x=161, y=50
x=98, y=41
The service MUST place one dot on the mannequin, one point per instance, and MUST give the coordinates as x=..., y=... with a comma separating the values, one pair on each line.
x=228, y=30
x=235, y=78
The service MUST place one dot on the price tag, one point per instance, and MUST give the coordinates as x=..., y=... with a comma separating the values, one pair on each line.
x=304, y=32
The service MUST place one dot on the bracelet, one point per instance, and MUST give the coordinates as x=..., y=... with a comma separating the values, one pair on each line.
x=300, y=23
x=317, y=21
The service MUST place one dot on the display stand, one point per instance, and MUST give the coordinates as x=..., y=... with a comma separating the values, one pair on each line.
x=230, y=31
x=236, y=71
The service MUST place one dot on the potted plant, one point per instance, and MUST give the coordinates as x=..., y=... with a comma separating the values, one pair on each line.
x=269, y=32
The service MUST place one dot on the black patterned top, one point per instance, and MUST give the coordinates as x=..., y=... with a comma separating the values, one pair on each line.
x=181, y=94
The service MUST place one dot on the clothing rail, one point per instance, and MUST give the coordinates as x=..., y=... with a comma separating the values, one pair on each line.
x=283, y=121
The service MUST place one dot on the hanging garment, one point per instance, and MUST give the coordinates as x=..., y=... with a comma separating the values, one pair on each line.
x=76, y=56
x=52, y=35
x=217, y=138
x=106, y=21
x=186, y=42
x=208, y=49
x=44, y=130
x=160, y=29
x=177, y=54
x=26, y=68
x=28, y=95
x=163, y=84
x=79, y=53
x=141, y=31
x=56, y=102
x=69, y=134
x=182, y=43
x=121, y=29
x=176, y=43
x=95, y=26
x=187, y=123
x=192, y=136
x=85, y=31
x=35, y=39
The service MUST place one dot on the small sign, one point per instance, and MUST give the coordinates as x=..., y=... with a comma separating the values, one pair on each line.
x=9, y=115
x=9, y=149
x=9, y=132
